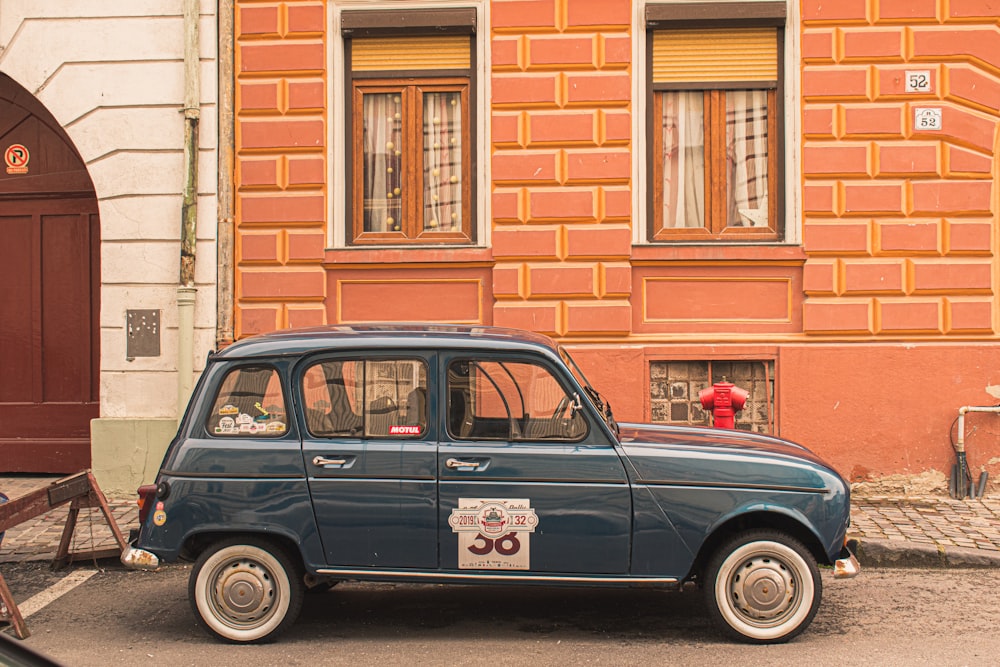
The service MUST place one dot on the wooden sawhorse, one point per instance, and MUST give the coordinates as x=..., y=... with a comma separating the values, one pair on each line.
x=80, y=491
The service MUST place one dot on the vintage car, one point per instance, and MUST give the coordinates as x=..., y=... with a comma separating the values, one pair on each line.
x=464, y=454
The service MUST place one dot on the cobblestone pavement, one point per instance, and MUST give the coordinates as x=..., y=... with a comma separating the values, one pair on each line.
x=922, y=531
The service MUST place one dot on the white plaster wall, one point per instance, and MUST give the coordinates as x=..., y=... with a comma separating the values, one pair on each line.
x=111, y=72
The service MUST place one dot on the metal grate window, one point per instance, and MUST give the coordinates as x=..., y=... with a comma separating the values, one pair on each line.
x=674, y=387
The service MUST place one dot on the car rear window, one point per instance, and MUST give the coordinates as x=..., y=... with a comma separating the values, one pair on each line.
x=250, y=402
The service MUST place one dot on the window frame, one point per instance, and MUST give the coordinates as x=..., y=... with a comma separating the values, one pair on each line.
x=702, y=16
x=411, y=89
x=409, y=23
x=744, y=421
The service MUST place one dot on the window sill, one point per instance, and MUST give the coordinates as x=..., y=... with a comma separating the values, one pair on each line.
x=411, y=255
x=710, y=252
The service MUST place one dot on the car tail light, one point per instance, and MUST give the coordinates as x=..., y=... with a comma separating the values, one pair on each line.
x=146, y=501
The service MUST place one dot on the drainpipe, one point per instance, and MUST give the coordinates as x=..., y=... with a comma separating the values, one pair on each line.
x=227, y=151
x=186, y=291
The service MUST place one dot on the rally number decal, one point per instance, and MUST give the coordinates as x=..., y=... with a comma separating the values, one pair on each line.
x=493, y=534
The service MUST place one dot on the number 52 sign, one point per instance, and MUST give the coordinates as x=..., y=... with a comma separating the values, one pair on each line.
x=918, y=81
x=926, y=119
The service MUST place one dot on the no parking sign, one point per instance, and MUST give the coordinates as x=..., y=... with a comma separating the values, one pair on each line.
x=16, y=156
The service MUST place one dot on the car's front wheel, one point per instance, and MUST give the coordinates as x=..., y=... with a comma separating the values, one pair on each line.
x=245, y=590
x=762, y=587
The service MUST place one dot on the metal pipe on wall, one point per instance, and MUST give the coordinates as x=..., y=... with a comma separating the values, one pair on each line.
x=186, y=291
x=962, y=483
x=227, y=150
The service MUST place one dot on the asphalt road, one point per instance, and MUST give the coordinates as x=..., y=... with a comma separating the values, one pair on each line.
x=883, y=617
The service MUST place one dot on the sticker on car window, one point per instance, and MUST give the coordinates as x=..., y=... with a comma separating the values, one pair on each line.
x=226, y=425
x=229, y=409
x=493, y=533
x=404, y=430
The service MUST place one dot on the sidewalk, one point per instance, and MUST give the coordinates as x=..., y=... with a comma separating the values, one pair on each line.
x=892, y=531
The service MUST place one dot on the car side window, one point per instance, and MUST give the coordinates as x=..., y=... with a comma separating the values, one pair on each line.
x=370, y=398
x=510, y=400
x=250, y=401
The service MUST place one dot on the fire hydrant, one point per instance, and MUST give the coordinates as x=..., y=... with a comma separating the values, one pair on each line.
x=723, y=400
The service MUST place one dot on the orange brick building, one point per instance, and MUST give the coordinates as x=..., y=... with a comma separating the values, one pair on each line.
x=801, y=196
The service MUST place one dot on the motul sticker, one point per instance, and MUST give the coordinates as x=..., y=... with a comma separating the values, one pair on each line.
x=16, y=156
x=404, y=430
x=494, y=534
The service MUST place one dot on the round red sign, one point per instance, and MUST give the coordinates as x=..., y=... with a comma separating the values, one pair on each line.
x=16, y=156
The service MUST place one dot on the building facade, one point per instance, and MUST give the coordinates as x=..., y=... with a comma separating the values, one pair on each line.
x=92, y=125
x=801, y=197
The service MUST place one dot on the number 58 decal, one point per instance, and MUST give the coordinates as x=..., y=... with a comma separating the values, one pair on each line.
x=508, y=545
x=485, y=538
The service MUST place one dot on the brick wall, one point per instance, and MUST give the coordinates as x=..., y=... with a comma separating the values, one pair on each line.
x=281, y=143
x=900, y=223
x=561, y=165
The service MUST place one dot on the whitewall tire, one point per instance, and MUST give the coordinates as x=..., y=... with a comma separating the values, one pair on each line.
x=763, y=587
x=245, y=590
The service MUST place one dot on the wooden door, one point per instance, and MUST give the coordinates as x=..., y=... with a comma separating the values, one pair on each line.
x=49, y=313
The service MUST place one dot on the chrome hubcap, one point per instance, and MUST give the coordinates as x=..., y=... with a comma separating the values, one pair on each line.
x=763, y=589
x=244, y=592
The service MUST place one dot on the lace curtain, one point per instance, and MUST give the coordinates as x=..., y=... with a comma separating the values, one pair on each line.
x=442, y=161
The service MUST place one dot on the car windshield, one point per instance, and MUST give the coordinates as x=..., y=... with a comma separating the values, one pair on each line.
x=603, y=406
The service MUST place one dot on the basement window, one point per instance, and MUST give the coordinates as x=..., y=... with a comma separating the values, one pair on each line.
x=674, y=387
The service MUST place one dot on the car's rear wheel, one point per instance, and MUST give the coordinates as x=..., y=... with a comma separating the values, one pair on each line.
x=763, y=587
x=245, y=590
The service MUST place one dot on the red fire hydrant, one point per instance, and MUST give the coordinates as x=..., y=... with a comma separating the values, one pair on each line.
x=723, y=400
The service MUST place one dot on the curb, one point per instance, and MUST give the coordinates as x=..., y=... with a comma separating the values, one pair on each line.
x=899, y=553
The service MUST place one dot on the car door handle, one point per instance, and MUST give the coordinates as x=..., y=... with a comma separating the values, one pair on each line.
x=321, y=461
x=458, y=463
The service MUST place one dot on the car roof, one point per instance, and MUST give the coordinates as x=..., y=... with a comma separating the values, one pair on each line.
x=293, y=342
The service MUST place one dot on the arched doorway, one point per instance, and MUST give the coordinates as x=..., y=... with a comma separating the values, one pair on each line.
x=49, y=313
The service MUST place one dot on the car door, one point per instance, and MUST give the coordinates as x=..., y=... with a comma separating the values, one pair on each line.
x=369, y=451
x=527, y=480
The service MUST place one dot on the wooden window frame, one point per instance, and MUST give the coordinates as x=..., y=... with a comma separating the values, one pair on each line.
x=412, y=229
x=716, y=201
x=409, y=22
x=702, y=15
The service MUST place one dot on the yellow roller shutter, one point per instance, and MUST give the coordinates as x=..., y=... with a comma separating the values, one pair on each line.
x=700, y=56
x=410, y=53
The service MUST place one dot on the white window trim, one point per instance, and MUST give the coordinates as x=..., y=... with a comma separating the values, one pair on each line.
x=792, y=129
x=337, y=168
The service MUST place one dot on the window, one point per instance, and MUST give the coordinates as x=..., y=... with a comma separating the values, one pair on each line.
x=375, y=398
x=250, y=402
x=715, y=118
x=509, y=400
x=410, y=125
x=674, y=388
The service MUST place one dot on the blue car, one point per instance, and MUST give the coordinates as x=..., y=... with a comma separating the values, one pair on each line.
x=458, y=454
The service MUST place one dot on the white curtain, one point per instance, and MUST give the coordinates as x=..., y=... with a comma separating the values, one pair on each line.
x=683, y=159
x=382, y=118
